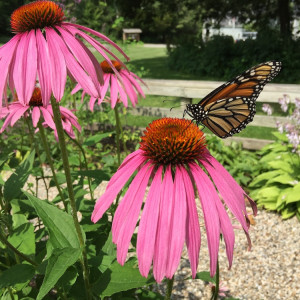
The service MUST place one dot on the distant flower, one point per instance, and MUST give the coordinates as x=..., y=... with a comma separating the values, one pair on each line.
x=46, y=47
x=284, y=102
x=35, y=109
x=267, y=109
x=119, y=90
x=173, y=161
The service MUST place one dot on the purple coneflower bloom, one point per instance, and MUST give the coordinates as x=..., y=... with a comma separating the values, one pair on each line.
x=47, y=48
x=120, y=87
x=35, y=108
x=174, y=162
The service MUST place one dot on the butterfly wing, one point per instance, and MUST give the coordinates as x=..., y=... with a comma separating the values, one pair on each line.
x=230, y=107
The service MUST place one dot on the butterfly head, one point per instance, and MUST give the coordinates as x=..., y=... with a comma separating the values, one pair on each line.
x=196, y=112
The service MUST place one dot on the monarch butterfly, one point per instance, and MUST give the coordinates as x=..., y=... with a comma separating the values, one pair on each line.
x=230, y=107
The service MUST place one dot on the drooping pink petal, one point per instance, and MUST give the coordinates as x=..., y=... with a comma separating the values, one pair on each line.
x=76, y=89
x=48, y=118
x=115, y=185
x=123, y=95
x=75, y=69
x=148, y=225
x=228, y=190
x=113, y=91
x=82, y=57
x=95, y=62
x=94, y=43
x=130, y=90
x=177, y=225
x=35, y=115
x=18, y=114
x=161, y=252
x=44, y=70
x=7, y=52
x=130, y=76
x=193, y=236
x=92, y=103
x=227, y=231
x=58, y=64
x=104, y=88
x=128, y=213
x=25, y=69
x=135, y=157
x=98, y=34
x=208, y=196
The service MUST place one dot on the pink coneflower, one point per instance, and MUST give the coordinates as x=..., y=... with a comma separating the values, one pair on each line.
x=119, y=90
x=47, y=48
x=35, y=108
x=174, y=162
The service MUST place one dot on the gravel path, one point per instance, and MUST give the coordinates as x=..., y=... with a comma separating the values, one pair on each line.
x=271, y=270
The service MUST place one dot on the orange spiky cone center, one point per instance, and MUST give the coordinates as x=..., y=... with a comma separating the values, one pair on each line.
x=108, y=69
x=36, y=15
x=172, y=141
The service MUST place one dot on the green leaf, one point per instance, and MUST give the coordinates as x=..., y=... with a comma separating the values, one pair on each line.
x=288, y=212
x=205, y=276
x=92, y=140
x=61, y=178
x=118, y=278
x=62, y=233
x=68, y=279
x=264, y=177
x=58, y=263
x=13, y=185
x=284, y=179
x=269, y=193
x=294, y=194
x=23, y=239
x=17, y=274
x=281, y=165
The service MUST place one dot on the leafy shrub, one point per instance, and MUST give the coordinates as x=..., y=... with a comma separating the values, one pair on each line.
x=240, y=163
x=278, y=186
x=222, y=58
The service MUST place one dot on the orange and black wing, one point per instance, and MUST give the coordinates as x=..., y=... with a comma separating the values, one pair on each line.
x=230, y=107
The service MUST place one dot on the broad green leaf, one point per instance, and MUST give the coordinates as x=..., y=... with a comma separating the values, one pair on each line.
x=96, y=138
x=205, y=276
x=18, y=274
x=288, y=212
x=13, y=185
x=280, y=136
x=68, y=279
x=23, y=239
x=281, y=165
x=4, y=158
x=58, y=263
x=269, y=192
x=284, y=179
x=61, y=178
x=120, y=278
x=294, y=194
x=17, y=216
x=59, y=224
x=265, y=176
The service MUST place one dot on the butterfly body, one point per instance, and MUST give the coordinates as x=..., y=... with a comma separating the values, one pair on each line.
x=229, y=108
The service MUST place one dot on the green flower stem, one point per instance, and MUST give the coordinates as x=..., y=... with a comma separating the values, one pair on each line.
x=118, y=124
x=216, y=292
x=50, y=162
x=16, y=251
x=170, y=283
x=32, y=140
x=85, y=163
x=65, y=159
